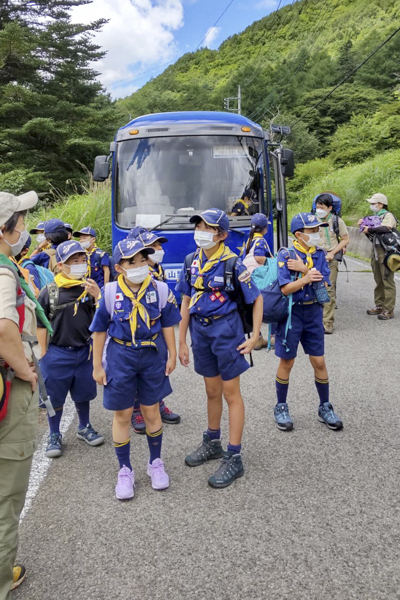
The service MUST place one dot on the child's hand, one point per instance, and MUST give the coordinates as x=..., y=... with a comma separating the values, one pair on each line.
x=171, y=365
x=360, y=221
x=184, y=354
x=247, y=346
x=99, y=375
x=365, y=230
x=92, y=288
x=313, y=275
x=296, y=265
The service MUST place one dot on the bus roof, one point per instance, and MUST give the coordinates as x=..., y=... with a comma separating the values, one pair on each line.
x=188, y=123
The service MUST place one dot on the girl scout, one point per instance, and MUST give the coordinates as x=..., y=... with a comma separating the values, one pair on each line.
x=218, y=340
x=140, y=330
x=307, y=326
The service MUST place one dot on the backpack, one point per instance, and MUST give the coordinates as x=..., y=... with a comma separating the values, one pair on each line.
x=113, y=272
x=53, y=267
x=54, y=306
x=45, y=275
x=337, y=203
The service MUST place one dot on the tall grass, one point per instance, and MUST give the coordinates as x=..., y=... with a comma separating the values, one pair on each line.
x=354, y=184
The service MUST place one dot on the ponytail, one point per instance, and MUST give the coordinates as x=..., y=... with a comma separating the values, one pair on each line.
x=253, y=230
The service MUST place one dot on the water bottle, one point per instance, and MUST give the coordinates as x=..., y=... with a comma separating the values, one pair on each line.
x=320, y=290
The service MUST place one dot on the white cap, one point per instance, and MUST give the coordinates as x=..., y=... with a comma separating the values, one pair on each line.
x=10, y=204
x=378, y=199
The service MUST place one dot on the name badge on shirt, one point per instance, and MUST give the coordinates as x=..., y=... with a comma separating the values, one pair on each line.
x=151, y=297
x=219, y=279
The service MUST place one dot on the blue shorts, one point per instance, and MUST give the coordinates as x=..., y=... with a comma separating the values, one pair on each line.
x=66, y=369
x=133, y=371
x=215, y=347
x=307, y=328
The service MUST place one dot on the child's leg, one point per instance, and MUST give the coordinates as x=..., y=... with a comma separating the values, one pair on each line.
x=282, y=379
x=54, y=422
x=83, y=410
x=233, y=397
x=214, y=406
x=120, y=432
x=154, y=431
x=321, y=378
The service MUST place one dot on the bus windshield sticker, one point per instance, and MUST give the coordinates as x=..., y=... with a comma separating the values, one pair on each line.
x=230, y=152
x=148, y=221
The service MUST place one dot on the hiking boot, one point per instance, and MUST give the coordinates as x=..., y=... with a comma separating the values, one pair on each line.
x=328, y=329
x=125, y=488
x=282, y=417
x=90, y=436
x=231, y=468
x=157, y=474
x=328, y=417
x=261, y=343
x=167, y=416
x=53, y=449
x=375, y=311
x=19, y=574
x=208, y=450
x=386, y=315
x=138, y=424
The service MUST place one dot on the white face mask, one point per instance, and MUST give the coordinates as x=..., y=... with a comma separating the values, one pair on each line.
x=158, y=256
x=313, y=239
x=204, y=239
x=321, y=213
x=137, y=275
x=85, y=245
x=17, y=247
x=374, y=207
x=40, y=238
x=77, y=271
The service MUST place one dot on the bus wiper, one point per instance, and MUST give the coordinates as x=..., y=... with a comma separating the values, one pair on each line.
x=170, y=219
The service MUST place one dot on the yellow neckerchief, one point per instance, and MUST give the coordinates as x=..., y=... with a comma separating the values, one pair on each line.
x=308, y=253
x=62, y=281
x=89, y=254
x=137, y=307
x=157, y=272
x=221, y=254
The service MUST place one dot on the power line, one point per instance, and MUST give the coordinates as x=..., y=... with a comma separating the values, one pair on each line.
x=346, y=78
x=216, y=23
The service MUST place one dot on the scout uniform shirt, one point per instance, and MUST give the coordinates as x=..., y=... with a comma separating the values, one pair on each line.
x=259, y=246
x=207, y=285
x=43, y=259
x=387, y=220
x=97, y=260
x=316, y=259
x=329, y=239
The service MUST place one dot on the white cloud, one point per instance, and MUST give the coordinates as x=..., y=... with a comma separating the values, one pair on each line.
x=211, y=36
x=138, y=37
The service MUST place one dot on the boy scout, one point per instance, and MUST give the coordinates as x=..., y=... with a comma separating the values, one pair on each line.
x=334, y=240
x=99, y=261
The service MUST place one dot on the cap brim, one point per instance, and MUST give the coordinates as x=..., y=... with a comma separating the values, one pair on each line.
x=198, y=218
x=78, y=233
x=133, y=253
x=28, y=200
x=314, y=225
x=35, y=231
x=72, y=254
x=161, y=239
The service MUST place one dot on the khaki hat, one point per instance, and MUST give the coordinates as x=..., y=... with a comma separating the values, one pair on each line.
x=378, y=198
x=10, y=204
x=392, y=261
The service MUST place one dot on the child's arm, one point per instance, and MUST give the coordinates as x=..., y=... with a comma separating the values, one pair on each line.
x=295, y=286
x=42, y=339
x=99, y=374
x=169, y=336
x=249, y=344
x=106, y=271
x=183, y=327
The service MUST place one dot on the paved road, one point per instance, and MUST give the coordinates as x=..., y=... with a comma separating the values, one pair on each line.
x=316, y=515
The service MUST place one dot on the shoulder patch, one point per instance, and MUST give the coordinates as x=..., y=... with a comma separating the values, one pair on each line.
x=244, y=277
x=281, y=264
x=172, y=299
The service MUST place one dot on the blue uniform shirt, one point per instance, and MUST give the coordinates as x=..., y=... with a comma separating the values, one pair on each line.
x=260, y=246
x=119, y=326
x=42, y=259
x=216, y=300
x=98, y=259
x=286, y=276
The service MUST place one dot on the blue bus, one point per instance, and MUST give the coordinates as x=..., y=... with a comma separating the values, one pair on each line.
x=168, y=166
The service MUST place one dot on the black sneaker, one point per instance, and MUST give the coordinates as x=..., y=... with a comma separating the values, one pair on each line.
x=231, y=468
x=208, y=450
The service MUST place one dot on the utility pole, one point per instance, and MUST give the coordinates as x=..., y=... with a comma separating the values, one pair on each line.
x=237, y=99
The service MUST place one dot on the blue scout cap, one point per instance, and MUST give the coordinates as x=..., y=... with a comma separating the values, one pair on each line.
x=135, y=232
x=213, y=217
x=86, y=231
x=260, y=220
x=39, y=227
x=305, y=220
x=128, y=249
x=68, y=226
x=67, y=249
x=54, y=226
x=150, y=238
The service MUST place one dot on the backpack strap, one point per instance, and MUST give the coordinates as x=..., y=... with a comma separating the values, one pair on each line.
x=188, y=263
x=229, y=280
x=53, y=291
x=110, y=292
x=335, y=224
x=163, y=293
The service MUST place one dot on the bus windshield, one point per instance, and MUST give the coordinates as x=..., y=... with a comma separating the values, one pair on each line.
x=158, y=178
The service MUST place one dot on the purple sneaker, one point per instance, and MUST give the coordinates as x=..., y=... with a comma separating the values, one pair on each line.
x=124, y=490
x=157, y=474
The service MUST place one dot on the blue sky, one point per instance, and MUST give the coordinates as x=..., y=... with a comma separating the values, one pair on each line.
x=144, y=36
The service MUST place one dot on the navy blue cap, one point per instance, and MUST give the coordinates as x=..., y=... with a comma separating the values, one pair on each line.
x=150, y=238
x=85, y=231
x=54, y=226
x=135, y=232
x=213, y=217
x=305, y=220
x=68, y=226
x=67, y=249
x=39, y=227
x=129, y=248
x=260, y=220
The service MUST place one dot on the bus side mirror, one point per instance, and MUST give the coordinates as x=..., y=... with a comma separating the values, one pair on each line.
x=287, y=162
x=101, y=169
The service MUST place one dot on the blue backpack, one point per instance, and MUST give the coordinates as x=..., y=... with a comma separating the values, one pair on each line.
x=45, y=275
x=337, y=203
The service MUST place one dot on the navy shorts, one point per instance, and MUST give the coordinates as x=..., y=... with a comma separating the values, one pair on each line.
x=66, y=369
x=215, y=347
x=133, y=371
x=307, y=329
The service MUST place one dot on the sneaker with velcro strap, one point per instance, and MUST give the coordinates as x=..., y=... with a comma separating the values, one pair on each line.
x=327, y=416
x=90, y=436
x=282, y=417
x=208, y=450
x=54, y=448
x=231, y=468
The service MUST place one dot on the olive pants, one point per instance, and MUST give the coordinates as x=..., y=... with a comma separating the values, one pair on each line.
x=18, y=432
x=329, y=307
x=385, y=288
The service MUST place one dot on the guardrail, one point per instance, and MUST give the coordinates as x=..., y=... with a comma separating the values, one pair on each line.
x=359, y=243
